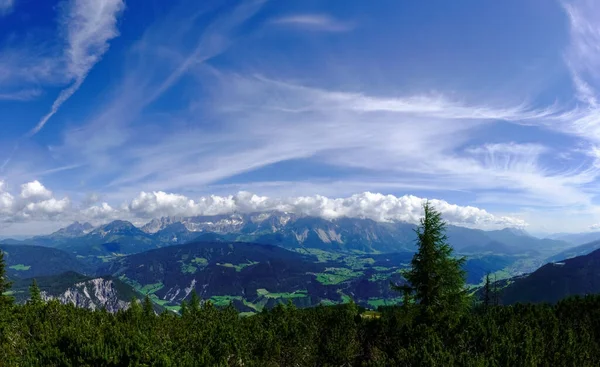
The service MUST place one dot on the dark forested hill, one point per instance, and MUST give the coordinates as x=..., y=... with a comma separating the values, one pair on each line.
x=253, y=276
x=24, y=261
x=555, y=281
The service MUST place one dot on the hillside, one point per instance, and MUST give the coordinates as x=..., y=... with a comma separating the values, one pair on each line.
x=255, y=276
x=87, y=292
x=571, y=252
x=555, y=281
x=25, y=261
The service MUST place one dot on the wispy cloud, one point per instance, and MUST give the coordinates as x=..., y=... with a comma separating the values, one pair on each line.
x=90, y=25
x=315, y=22
x=434, y=141
x=6, y=6
x=417, y=140
x=21, y=95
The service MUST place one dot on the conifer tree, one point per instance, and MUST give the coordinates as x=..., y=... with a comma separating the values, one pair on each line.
x=5, y=284
x=436, y=279
x=148, y=308
x=194, y=302
x=487, y=291
x=35, y=296
x=184, y=309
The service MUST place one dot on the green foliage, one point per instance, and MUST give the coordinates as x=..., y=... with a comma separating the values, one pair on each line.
x=35, y=294
x=435, y=278
x=5, y=299
x=51, y=334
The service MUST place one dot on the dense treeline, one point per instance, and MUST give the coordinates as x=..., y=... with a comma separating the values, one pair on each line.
x=51, y=334
x=436, y=326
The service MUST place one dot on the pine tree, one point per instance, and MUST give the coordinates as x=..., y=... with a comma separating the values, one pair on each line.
x=487, y=291
x=148, y=309
x=184, y=309
x=35, y=296
x=194, y=302
x=496, y=300
x=435, y=278
x=5, y=284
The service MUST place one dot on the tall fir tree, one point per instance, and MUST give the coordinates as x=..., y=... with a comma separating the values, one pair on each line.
x=148, y=308
x=487, y=291
x=436, y=279
x=5, y=299
x=35, y=296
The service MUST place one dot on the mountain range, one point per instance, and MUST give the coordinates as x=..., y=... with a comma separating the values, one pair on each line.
x=282, y=229
x=257, y=260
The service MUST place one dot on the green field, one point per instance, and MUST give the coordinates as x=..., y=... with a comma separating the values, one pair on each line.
x=297, y=294
x=333, y=276
x=200, y=261
x=376, y=302
x=188, y=269
x=20, y=267
x=150, y=288
x=238, y=267
x=224, y=300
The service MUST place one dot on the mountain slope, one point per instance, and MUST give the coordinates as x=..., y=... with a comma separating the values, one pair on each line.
x=254, y=275
x=79, y=290
x=555, y=281
x=27, y=261
x=578, y=238
x=575, y=251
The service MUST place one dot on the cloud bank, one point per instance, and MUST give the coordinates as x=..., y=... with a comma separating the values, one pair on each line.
x=35, y=202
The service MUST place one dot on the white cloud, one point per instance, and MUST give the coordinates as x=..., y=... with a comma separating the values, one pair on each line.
x=48, y=207
x=101, y=212
x=90, y=25
x=378, y=207
x=318, y=22
x=21, y=95
x=35, y=190
x=35, y=202
x=6, y=201
x=6, y=6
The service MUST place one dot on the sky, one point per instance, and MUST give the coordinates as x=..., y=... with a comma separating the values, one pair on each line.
x=135, y=109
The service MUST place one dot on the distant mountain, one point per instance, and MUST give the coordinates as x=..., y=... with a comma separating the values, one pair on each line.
x=79, y=290
x=113, y=239
x=25, y=261
x=578, y=238
x=575, y=251
x=555, y=281
x=347, y=235
x=74, y=230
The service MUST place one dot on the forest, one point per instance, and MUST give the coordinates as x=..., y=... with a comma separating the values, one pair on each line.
x=439, y=323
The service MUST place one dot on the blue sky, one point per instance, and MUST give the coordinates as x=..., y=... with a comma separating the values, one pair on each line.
x=136, y=109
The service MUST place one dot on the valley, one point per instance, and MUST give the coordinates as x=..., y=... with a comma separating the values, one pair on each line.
x=257, y=261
